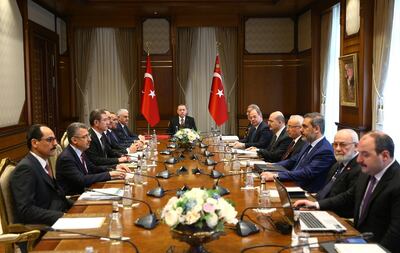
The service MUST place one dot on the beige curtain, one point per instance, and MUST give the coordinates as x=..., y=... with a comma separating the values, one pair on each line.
x=83, y=48
x=383, y=21
x=186, y=38
x=326, y=32
x=128, y=59
x=227, y=37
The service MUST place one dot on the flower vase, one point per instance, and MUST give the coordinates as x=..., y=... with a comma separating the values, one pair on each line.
x=194, y=237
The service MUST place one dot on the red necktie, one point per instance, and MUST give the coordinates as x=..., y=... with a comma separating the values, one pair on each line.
x=49, y=170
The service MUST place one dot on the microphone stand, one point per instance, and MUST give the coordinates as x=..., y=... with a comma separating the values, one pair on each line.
x=148, y=222
x=224, y=191
x=157, y=192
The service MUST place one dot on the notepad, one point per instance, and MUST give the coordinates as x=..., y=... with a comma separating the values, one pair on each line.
x=79, y=223
x=102, y=194
x=229, y=138
x=364, y=248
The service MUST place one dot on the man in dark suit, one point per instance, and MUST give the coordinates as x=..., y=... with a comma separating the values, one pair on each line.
x=280, y=140
x=344, y=173
x=181, y=120
x=99, y=152
x=293, y=130
x=125, y=136
x=74, y=170
x=376, y=193
x=310, y=166
x=38, y=199
x=248, y=110
x=259, y=135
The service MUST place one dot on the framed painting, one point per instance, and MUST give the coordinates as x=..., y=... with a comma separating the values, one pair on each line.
x=348, y=80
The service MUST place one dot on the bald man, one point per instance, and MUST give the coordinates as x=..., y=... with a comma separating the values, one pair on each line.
x=280, y=140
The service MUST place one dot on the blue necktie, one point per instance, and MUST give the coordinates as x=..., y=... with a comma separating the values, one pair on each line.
x=305, y=153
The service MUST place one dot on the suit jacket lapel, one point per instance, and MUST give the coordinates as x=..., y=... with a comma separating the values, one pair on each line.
x=360, y=195
x=42, y=173
x=77, y=159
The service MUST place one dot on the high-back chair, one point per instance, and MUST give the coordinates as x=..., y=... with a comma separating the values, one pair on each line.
x=53, y=159
x=10, y=239
x=7, y=210
x=64, y=140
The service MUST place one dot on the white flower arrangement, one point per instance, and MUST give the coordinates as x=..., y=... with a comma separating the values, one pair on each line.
x=186, y=135
x=201, y=209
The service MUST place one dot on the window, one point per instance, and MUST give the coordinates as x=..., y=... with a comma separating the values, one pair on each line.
x=391, y=93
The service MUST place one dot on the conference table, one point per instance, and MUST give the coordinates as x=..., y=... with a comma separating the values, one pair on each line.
x=160, y=239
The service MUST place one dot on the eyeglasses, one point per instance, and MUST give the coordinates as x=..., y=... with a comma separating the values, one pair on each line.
x=341, y=144
x=49, y=139
x=289, y=126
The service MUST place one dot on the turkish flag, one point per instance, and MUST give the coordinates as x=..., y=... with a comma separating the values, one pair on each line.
x=217, y=105
x=149, y=106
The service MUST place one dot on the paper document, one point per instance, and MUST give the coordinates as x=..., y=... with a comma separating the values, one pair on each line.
x=229, y=138
x=244, y=152
x=79, y=223
x=244, y=163
x=102, y=194
x=353, y=247
x=291, y=190
x=136, y=154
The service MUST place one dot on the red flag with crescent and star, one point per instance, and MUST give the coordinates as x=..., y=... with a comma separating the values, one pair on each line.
x=217, y=105
x=149, y=106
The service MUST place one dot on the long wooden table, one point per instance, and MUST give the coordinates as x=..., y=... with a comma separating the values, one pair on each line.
x=159, y=239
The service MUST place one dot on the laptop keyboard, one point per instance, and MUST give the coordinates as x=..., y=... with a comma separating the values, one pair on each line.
x=310, y=220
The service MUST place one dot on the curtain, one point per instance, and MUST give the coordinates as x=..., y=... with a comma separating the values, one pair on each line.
x=201, y=71
x=227, y=37
x=186, y=38
x=329, y=67
x=383, y=20
x=128, y=59
x=83, y=48
x=106, y=85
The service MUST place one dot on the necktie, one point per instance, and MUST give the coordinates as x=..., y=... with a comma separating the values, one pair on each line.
x=108, y=137
x=84, y=163
x=367, y=199
x=305, y=153
x=49, y=170
x=289, y=150
x=103, y=141
x=272, y=142
x=125, y=131
x=182, y=122
x=327, y=188
x=252, y=135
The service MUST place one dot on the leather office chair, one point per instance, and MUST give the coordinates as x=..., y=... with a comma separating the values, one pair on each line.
x=53, y=159
x=10, y=239
x=64, y=141
x=7, y=213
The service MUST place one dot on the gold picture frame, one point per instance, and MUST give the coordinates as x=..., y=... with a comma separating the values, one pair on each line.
x=348, y=80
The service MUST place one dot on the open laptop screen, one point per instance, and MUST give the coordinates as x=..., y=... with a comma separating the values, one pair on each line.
x=285, y=200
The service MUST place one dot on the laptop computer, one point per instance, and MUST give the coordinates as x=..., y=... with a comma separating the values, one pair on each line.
x=310, y=221
x=259, y=168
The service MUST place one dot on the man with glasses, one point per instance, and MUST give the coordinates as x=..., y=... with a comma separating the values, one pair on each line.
x=310, y=166
x=376, y=193
x=38, y=199
x=74, y=171
x=345, y=171
x=293, y=130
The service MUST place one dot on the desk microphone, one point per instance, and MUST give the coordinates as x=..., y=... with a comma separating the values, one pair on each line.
x=165, y=174
x=45, y=228
x=157, y=192
x=245, y=228
x=148, y=222
x=224, y=191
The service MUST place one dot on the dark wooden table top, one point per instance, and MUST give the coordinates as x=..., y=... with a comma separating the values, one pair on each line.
x=159, y=239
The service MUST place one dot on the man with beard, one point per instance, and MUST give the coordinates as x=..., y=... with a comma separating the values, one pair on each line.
x=310, y=166
x=376, y=193
x=38, y=199
x=345, y=171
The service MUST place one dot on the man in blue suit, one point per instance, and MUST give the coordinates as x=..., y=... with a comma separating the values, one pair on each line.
x=308, y=168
